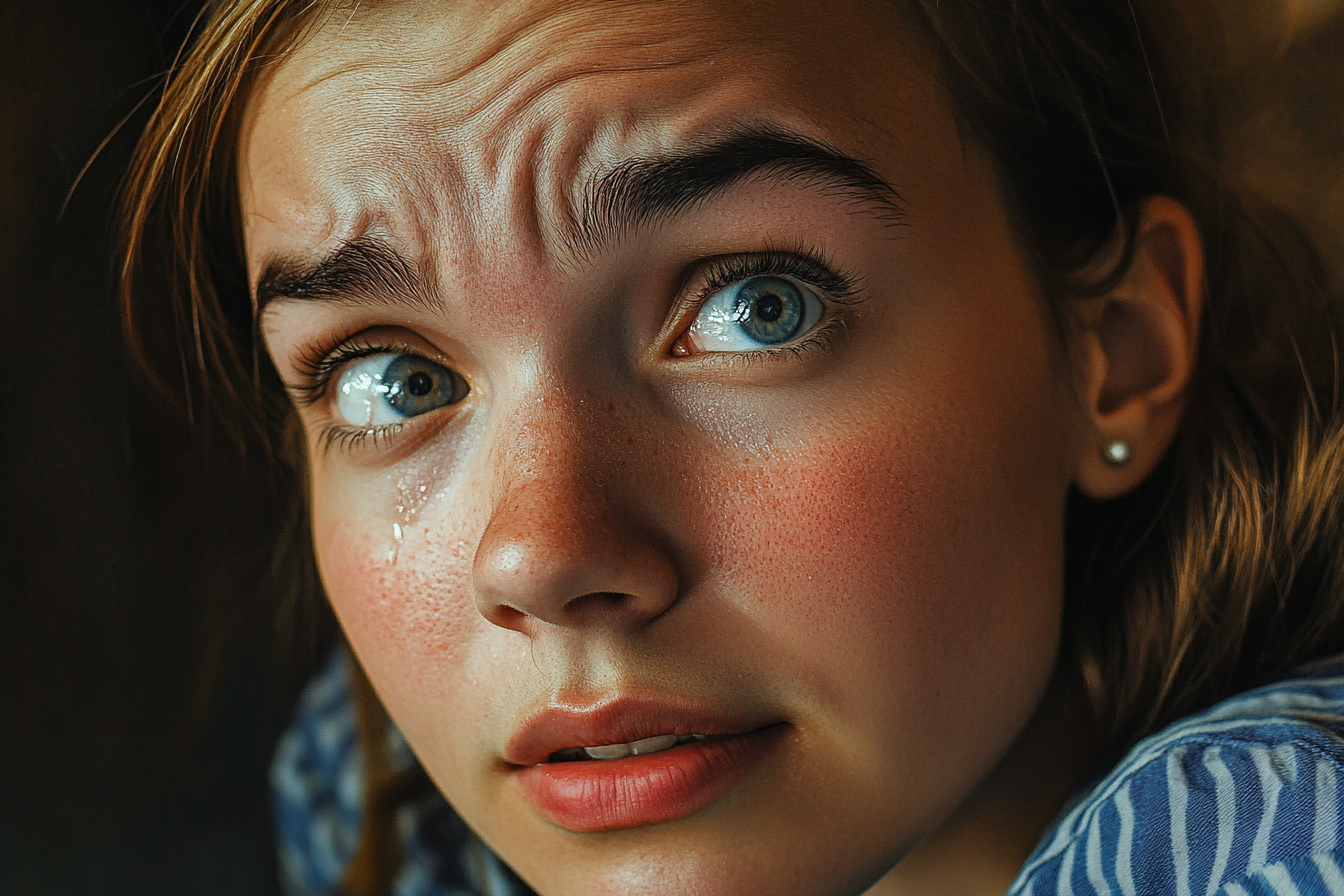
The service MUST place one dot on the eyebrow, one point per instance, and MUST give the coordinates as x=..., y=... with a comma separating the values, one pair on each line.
x=637, y=193
x=365, y=269
x=642, y=191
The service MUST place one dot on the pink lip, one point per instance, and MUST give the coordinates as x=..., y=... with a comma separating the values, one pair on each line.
x=602, y=795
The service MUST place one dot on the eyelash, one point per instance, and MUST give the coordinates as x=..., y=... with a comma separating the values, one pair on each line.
x=319, y=364
x=316, y=368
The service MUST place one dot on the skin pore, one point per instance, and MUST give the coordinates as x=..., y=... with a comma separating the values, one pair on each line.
x=851, y=540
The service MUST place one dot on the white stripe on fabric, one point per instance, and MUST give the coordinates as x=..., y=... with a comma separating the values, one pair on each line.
x=1178, y=797
x=1235, y=890
x=1330, y=874
x=1226, y=792
x=1095, y=875
x=1064, y=886
x=1327, y=807
x=1270, y=785
x=1277, y=876
x=1284, y=757
x=1156, y=748
x=1124, y=854
x=1287, y=704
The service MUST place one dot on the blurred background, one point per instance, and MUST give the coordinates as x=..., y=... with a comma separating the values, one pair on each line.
x=145, y=671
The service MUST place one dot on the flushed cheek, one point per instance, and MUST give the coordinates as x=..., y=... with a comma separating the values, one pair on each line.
x=863, y=569
x=404, y=589
x=402, y=593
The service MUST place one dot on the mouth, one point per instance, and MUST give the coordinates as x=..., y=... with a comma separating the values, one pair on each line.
x=644, y=747
x=630, y=763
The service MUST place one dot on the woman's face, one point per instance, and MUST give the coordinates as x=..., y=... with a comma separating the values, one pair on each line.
x=668, y=369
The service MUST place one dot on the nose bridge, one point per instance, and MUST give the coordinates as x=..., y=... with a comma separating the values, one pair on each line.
x=565, y=543
x=542, y=435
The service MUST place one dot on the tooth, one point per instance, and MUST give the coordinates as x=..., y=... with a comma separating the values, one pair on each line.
x=653, y=744
x=611, y=751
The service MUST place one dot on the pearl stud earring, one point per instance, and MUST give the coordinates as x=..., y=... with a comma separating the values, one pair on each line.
x=1117, y=453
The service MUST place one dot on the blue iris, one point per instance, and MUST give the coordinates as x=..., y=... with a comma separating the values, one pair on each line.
x=768, y=310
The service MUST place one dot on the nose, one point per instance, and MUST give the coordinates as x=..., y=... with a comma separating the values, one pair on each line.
x=565, y=544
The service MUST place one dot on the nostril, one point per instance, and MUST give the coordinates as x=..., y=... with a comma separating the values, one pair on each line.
x=587, y=608
x=506, y=616
x=597, y=606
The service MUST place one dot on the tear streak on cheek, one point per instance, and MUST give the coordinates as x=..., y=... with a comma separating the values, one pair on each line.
x=398, y=601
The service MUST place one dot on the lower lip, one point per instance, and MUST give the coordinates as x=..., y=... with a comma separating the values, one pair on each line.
x=606, y=795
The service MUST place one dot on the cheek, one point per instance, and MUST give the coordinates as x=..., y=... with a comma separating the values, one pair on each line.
x=396, y=563
x=896, y=565
x=836, y=547
x=406, y=594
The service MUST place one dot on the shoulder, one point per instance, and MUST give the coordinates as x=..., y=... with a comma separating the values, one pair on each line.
x=1244, y=798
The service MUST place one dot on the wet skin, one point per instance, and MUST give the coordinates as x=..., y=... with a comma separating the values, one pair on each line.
x=855, y=537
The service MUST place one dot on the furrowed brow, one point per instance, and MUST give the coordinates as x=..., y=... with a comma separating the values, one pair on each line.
x=363, y=270
x=643, y=191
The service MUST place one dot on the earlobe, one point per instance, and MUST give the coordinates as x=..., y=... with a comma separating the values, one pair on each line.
x=1136, y=349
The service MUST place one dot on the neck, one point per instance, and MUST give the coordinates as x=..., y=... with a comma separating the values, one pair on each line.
x=980, y=848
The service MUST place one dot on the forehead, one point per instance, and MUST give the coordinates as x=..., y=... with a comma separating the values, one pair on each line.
x=464, y=116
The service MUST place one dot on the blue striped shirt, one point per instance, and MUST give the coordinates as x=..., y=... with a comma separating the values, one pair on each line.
x=1244, y=799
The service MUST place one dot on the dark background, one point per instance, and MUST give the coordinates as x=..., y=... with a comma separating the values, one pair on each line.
x=144, y=670
x=144, y=674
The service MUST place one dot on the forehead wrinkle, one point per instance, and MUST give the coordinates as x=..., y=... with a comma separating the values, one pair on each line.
x=493, y=86
x=559, y=154
x=520, y=105
x=570, y=33
x=515, y=98
x=512, y=49
x=534, y=157
x=520, y=150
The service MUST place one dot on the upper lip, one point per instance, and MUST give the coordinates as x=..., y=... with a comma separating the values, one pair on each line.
x=618, y=720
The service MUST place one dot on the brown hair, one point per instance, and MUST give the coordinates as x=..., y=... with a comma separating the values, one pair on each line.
x=1223, y=570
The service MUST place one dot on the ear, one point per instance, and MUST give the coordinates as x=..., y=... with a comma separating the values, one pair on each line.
x=1135, y=352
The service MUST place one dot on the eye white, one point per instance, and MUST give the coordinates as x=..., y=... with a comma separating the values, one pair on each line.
x=361, y=394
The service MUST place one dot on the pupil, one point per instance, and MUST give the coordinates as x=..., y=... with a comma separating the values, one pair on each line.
x=769, y=308
x=419, y=384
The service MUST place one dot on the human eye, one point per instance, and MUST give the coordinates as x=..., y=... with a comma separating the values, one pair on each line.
x=386, y=388
x=761, y=303
x=366, y=387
